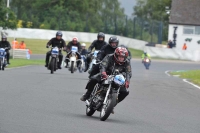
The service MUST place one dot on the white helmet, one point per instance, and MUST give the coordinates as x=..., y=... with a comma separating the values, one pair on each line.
x=83, y=44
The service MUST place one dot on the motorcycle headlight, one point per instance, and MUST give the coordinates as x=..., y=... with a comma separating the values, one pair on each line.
x=119, y=79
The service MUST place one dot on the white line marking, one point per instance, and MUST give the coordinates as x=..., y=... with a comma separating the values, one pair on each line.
x=17, y=67
x=167, y=73
x=185, y=80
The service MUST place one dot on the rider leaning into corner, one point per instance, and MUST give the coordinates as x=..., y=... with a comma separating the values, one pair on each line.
x=119, y=61
x=77, y=44
x=5, y=44
x=105, y=50
x=97, y=44
x=56, y=42
x=129, y=53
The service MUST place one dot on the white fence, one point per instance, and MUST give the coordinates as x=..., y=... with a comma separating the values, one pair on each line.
x=89, y=37
x=20, y=53
x=67, y=36
x=173, y=53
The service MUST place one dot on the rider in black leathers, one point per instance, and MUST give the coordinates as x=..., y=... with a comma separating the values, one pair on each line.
x=74, y=42
x=5, y=44
x=105, y=50
x=119, y=61
x=56, y=42
x=97, y=44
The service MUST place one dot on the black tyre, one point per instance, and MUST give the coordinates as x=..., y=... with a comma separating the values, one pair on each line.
x=72, y=67
x=89, y=111
x=108, y=108
x=1, y=65
x=52, y=65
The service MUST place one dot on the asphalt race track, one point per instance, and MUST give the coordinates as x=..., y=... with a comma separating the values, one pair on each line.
x=34, y=101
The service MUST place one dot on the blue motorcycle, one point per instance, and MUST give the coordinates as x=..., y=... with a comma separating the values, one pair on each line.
x=146, y=62
x=3, y=61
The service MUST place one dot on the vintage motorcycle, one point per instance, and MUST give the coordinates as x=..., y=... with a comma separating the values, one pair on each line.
x=94, y=59
x=54, y=59
x=105, y=95
x=3, y=61
x=73, y=59
x=146, y=61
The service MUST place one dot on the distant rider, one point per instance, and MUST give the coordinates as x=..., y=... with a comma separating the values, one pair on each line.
x=77, y=44
x=105, y=50
x=97, y=44
x=56, y=42
x=5, y=44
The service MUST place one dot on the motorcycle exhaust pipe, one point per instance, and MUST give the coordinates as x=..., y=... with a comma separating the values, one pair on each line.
x=87, y=103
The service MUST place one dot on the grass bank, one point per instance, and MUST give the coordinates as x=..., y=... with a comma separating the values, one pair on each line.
x=192, y=75
x=38, y=46
x=24, y=62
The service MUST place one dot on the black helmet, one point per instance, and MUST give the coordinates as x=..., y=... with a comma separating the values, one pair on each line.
x=101, y=35
x=113, y=39
x=3, y=37
x=59, y=33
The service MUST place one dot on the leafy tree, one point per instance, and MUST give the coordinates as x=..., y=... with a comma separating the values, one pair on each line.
x=7, y=17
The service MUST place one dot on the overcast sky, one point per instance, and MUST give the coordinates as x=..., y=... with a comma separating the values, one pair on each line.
x=128, y=6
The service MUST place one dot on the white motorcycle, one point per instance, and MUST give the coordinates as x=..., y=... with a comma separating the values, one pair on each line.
x=73, y=58
x=93, y=62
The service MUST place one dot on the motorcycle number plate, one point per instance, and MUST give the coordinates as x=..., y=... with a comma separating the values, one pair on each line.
x=74, y=49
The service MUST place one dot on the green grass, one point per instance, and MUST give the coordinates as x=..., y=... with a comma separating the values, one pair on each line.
x=135, y=53
x=37, y=46
x=192, y=75
x=24, y=62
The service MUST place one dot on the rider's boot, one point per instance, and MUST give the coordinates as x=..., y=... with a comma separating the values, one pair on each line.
x=86, y=67
x=66, y=66
x=86, y=95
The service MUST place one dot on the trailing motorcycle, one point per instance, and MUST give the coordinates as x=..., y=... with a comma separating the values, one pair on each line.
x=146, y=61
x=3, y=61
x=53, y=64
x=94, y=59
x=105, y=95
x=73, y=59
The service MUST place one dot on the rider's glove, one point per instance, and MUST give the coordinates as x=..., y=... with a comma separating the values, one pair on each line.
x=47, y=46
x=127, y=84
x=104, y=75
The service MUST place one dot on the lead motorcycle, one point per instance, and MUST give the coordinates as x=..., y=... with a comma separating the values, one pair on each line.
x=104, y=96
x=3, y=61
x=53, y=64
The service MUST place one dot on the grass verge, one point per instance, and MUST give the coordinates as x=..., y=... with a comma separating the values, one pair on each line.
x=37, y=46
x=24, y=62
x=136, y=53
x=192, y=75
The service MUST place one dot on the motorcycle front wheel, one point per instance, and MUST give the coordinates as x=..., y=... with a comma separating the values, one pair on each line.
x=72, y=67
x=53, y=61
x=108, y=107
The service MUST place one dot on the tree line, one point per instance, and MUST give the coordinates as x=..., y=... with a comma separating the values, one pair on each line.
x=80, y=15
